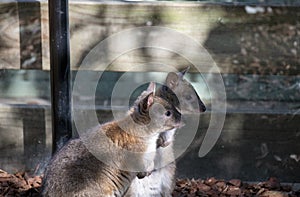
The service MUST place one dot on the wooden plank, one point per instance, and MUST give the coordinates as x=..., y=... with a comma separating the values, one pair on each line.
x=34, y=137
x=45, y=36
x=99, y=22
x=30, y=35
x=24, y=138
x=11, y=141
x=238, y=42
x=239, y=152
x=258, y=92
x=251, y=147
x=266, y=89
x=245, y=93
x=9, y=36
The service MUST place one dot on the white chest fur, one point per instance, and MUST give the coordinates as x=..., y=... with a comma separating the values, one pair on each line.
x=160, y=182
x=150, y=153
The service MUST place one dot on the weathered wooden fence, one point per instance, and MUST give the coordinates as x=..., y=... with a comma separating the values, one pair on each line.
x=257, y=54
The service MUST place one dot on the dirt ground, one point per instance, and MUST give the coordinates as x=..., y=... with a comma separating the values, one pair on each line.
x=21, y=184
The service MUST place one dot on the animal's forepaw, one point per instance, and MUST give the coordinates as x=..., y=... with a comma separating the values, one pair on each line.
x=162, y=142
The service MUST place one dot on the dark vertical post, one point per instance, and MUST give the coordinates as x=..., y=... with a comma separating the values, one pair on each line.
x=60, y=72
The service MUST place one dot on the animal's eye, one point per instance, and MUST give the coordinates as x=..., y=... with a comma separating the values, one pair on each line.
x=168, y=113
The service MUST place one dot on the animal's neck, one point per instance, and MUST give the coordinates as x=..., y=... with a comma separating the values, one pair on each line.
x=133, y=128
x=129, y=135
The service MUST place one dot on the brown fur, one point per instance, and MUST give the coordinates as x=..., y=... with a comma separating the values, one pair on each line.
x=122, y=138
x=75, y=171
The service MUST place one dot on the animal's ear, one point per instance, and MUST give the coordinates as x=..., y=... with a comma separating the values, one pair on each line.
x=151, y=87
x=172, y=80
x=150, y=100
x=182, y=73
x=147, y=101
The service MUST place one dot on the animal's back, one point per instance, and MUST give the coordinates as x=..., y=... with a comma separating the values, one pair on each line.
x=74, y=171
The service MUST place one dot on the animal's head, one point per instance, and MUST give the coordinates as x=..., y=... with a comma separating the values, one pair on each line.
x=189, y=100
x=156, y=112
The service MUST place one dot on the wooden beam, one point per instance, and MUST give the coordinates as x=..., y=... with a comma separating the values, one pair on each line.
x=223, y=30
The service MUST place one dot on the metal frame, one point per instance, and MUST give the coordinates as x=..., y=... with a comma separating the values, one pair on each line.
x=60, y=73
